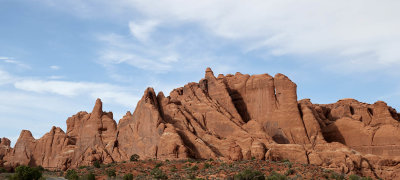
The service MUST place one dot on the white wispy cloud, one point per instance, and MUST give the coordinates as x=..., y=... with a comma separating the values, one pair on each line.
x=142, y=30
x=120, y=95
x=118, y=57
x=4, y=58
x=55, y=77
x=347, y=28
x=10, y=60
x=113, y=93
x=54, y=67
x=118, y=49
x=348, y=31
x=5, y=77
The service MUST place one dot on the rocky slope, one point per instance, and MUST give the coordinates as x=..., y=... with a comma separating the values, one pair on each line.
x=229, y=117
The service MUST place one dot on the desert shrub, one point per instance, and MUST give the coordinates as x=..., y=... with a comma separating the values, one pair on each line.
x=40, y=168
x=27, y=173
x=207, y=165
x=111, y=173
x=96, y=164
x=354, y=177
x=158, y=165
x=276, y=176
x=158, y=174
x=109, y=165
x=249, y=175
x=290, y=171
x=337, y=176
x=2, y=170
x=194, y=168
x=190, y=176
x=366, y=178
x=285, y=160
x=89, y=176
x=134, y=157
x=82, y=167
x=71, y=175
x=326, y=176
x=288, y=163
x=128, y=177
x=173, y=169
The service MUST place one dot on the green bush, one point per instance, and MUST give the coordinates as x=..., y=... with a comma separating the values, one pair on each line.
x=134, y=157
x=173, y=169
x=194, y=168
x=71, y=175
x=207, y=165
x=159, y=165
x=27, y=173
x=337, y=176
x=354, y=177
x=190, y=176
x=89, y=176
x=288, y=163
x=128, y=177
x=249, y=175
x=366, y=178
x=2, y=170
x=158, y=174
x=40, y=168
x=111, y=173
x=96, y=164
x=289, y=172
x=276, y=176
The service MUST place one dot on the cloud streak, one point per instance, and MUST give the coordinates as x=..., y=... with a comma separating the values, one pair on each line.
x=10, y=60
x=54, y=67
x=115, y=94
x=142, y=30
x=5, y=77
x=349, y=32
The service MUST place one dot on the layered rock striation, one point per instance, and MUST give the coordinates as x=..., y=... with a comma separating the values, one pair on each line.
x=228, y=117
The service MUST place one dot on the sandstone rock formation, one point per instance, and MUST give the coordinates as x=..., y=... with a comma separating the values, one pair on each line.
x=229, y=117
x=89, y=137
x=4, y=148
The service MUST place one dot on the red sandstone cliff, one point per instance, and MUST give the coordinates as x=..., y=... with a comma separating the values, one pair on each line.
x=230, y=117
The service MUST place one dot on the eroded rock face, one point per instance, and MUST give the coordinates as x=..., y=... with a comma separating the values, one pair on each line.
x=367, y=128
x=4, y=149
x=89, y=137
x=146, y=134
x=229, y=117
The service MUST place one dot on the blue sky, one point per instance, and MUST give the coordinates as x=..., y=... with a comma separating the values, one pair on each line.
x=57, y=57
